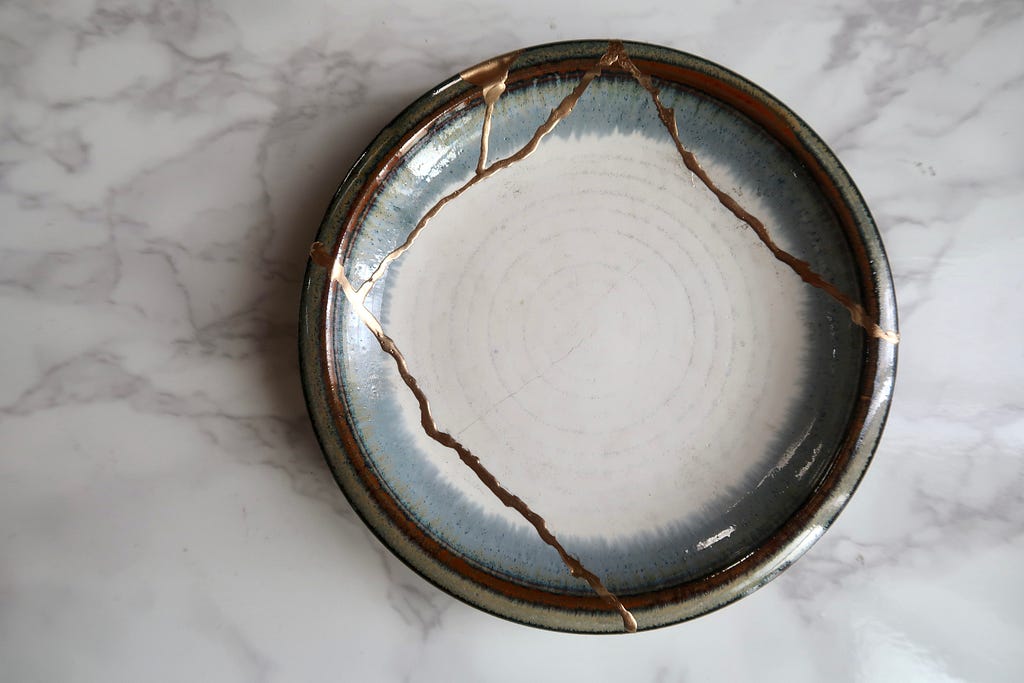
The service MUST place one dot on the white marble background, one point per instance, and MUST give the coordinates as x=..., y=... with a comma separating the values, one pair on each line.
x=165, y=514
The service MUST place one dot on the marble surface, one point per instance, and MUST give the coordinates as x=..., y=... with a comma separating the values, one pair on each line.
x=164, y=510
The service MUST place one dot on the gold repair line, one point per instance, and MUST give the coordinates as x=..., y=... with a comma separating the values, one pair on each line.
x=484, y=135
x=576, y=568
x=800, y=267
x=563, y=109
x=357, y=298
x=490, y=76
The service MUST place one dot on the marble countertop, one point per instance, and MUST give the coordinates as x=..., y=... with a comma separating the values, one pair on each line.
x=164, y=509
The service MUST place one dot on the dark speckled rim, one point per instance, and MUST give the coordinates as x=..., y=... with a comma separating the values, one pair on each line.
x=666, y=606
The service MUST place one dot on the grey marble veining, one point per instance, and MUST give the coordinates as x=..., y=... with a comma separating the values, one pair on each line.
x=164, y=508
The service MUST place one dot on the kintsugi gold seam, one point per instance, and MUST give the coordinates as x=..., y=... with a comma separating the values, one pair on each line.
x=563, y=109
x=800, y=267
x=431, y=429
x=357, y=299
x=491, y=77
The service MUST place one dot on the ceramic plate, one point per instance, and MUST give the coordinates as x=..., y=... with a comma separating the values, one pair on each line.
x=598, y=336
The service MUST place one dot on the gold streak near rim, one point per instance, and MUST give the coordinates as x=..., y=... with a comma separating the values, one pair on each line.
x=491, y=77
x=800, y=267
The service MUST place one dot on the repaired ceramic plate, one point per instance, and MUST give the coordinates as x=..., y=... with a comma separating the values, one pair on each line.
x=598, y=336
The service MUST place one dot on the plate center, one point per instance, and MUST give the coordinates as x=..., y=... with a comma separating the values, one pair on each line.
x=616, y=347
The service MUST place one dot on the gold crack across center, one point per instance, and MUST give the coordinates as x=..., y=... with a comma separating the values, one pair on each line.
x=491, y=77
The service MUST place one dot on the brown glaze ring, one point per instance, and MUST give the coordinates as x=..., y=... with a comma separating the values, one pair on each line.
x=769, y=117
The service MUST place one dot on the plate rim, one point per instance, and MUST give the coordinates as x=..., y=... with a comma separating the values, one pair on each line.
x=687, y=600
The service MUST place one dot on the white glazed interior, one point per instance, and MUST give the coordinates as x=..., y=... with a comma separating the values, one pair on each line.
x=613, y=343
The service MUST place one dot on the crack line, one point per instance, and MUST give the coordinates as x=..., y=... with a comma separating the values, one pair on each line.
x=431, y=429
x=802, y=268
x=490, y=77
x=357, y=299
x=563, y=109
